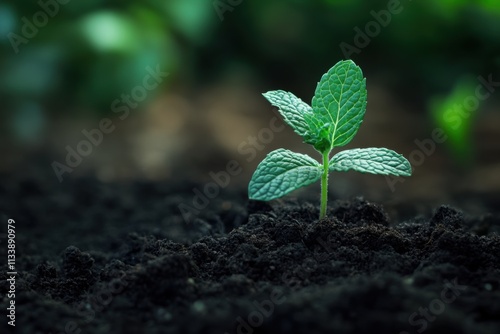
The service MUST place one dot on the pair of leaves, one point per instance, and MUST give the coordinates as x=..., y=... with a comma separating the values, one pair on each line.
x=337, y=111
x=283, y=171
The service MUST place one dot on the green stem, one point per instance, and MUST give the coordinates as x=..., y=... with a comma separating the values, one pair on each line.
x=324, y=185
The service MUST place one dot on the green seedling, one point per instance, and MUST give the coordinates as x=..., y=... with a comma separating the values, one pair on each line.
x=337, y=111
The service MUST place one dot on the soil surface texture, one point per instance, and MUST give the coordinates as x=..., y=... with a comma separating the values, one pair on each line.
x=122, y=258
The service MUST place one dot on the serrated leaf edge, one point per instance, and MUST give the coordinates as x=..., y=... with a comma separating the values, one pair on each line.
x=406, y=170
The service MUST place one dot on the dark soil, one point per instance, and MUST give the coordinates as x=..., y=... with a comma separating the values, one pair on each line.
x=120, y=258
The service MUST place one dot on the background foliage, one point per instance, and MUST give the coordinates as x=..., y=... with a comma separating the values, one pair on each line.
x=92, y=51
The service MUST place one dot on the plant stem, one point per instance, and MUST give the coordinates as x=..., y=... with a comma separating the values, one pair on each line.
x=324, y=185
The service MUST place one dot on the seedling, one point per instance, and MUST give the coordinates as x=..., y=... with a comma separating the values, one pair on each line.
x=337, y=111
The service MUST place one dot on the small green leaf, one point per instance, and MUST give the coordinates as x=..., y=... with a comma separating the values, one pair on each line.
x=299, y=115
x=319, y=138
x=340, y=99
x=371, y=160
x=281, y=172
x=292, y=109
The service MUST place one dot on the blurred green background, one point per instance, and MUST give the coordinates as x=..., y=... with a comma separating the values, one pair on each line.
x=64, y=63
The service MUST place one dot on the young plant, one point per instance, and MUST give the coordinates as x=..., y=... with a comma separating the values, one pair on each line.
x=337, y=111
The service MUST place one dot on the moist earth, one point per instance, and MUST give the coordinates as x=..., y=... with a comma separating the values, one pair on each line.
x=122, y=258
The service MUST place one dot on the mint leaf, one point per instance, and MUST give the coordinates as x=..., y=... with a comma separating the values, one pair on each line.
x=371, y=160
x=340, y=99
x=281, y=172
x=292, y=109
x=299, y=115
